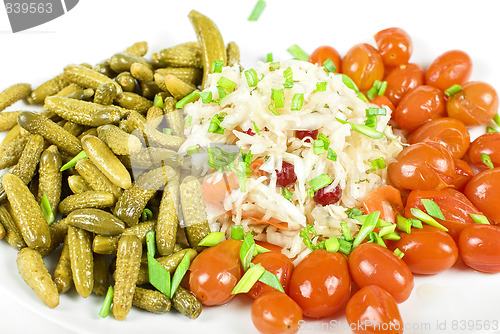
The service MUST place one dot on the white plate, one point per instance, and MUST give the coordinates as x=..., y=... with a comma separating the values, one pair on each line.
x=457, y=301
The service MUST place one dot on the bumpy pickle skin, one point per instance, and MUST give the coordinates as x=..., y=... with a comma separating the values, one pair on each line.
x=121, y=62
x=191, y=75
x=139, y=49
x=175, y=117
x=104, y=244
x=194, y=212
x=96, y=221
x=151, y=300
x=86, y=77
x=63, y=277
x=126, y=81
x=133, y=101
x=82, y=261
x=12, y=234
x=166, y=227
x=177, y=87
x=89, y=199
x=8, y=119
x=105, y=94
x=50, y=177
x=95, y=178
x=180, y=56
x=48, y=88
x=141, y=72
x=233, y=54
x=186, y=303
x=171, y=262
x=78, y=185
x=101, y=277
x=13, y=94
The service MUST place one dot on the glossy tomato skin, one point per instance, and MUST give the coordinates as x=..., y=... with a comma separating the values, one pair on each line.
x=363, y=64
x=322, y=53
x=276, y=263
x=488, y=143
x=373, y=264
x=425, y=165
x=321, y=284
x=394, y=45
x=450, y=68
x=463, y=173
x=419, y=106
x=475, y=104
x=401, y=80
x=372, y=310
x=428, y=250
x=482, y=191
x=275, y=313
x=215, y=272
x=387, y=200
x=454, y=205
x=480, y=247
x=449, y=132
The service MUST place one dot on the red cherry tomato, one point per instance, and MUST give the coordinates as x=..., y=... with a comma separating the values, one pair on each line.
x=387, y=200
x=394, y=45
x=482, y=190
x=401, y=80
x=383, y=101
x=428, y=250
x=488, y=143
x=479, y=246
x=475, y=104
x=276, y=263
x=372, y=310
x=321, y=284
x=322, y=53
x=275, y=313
x=418, y=106
x=426, y=166
x=373, y=264
x=449, y=132
x=456, y=208
x=215, y=272
x=450, y=68
x=463, y=173
x=363, y=64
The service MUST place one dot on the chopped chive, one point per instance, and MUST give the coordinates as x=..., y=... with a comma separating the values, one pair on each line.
x=193, y=149
x=362, y=97
x=272, y=280
x=332, y=245
x=479, y=219
x=373, y=91
x=47, y=210
x=348, y=82
x=382, y=223
x=251, y=77
x=298, y=53
x=318, y=147
x=399, y=253
x=222, y=94
x=490, y=129
x=252, y=275
x=345, y=246
x=227, y=84
x=275, y=65
x=72, y=162
x=306, y=239
x=346, y=232
x=329, y=66
x=167, y=131
x=394, y=236
x=403, y=224
x=269, y=58
x=367, y=227
x=427, y=219
x=188, y=121
x=324, y=139
x=272, y=109
x=376, y=112
x=261, y=249
x=310, y=192
x=257, y=10
x=206, y=97
x=453, y=90
x=217, y=66
x=496, y=119
x=363, y=129
x=376, y=238
x=354, y=212
x=256, y=128
x=192, y=97
x=331, y=155
x=215, y=126
x=179, y=273
x=432, y=208
x=237, y=232
x=320, y=86
x=386, y=230
x=377, y=164
x=320, y=181
x=158, y=101
x=146, y=215
x=247, y=250
x=159, y=277
x=371, y=122
x=106, y=305
x=382, y=88
x=417, y=223
x=278, y=96
x=286, y=193
x=297, y=101
x=211, y=239
x=288, y=74
x=485, y=158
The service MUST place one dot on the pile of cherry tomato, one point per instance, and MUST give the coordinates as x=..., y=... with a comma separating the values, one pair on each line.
x=434, y=107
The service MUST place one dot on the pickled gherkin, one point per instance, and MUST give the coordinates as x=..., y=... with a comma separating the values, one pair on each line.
x=63, y=277
x=194, y=212
x=13, y=94
x=186, y=303
x=151, y=300
x=87, y=199
x=82, y=261
x=48, y=88
x=96, y=221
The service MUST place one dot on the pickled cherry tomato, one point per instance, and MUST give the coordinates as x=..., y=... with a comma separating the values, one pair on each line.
x=418, y=106
x=463, y=173
x=425, y=166
x=449, y=132
x=428, y=250
x=215, y=272
x=363, y=64
x=482, y=191
x=475, y=104
x=322, y=53
x=488, y=143
x=401, y=80
x=321, y=284
x=372, y=310
x=276, y=313
x=394, y=45
x=479, y=247
x=373, y=264
x=450, y=68
x=276, y=263
x=383, y=101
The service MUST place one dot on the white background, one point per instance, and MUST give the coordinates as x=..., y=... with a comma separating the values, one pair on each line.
x=95, y=30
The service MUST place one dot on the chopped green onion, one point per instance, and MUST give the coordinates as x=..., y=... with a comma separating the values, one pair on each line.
x=227, y=84
x=306, y=239
x=256, y=128
x=47, y=210
x=346, y=232
x=386, y=230
x=363, y=129
x=354, y=212
x=273, y=110
x=278, y=96
x=371, y=122
x=399, y=253
x=272, y=280
x=382, y=223
x=237, y=232
x=286, y=193
x=394, y=236
x=192, y=97
x=72, y=162
x=106, y=305
x=331, y=155
x=159, y=277
x=332, y=245
x=297, y=101
x=288, y=74
x=261, y=249
x=206, y=97
x=376, y=238
x=432, y=208
x=193, y=149
x=348, y=82
x=298, y=53
x=403, y=224
x=275, y=65
x=167, y=131
x=257, y=10
x=324, y=139
x=222, y=94
x=496, y=119
x=479, y=219
x=251, y=77
x=211, y=239
x=318, y=147
x=187, y=124
x=376, y=112
x=427, y=219
x=329, y=66
x=146, y=215
x=382, y=88
x=367, y=227
x=310, y=192
x=453, y=90
x=377, y=164
x=362, y=96
x=417, y=223
x=217, y=66
x=373, y=91
x=247, y=250
x=158, y=101
x=485, y=158
x=345, y=246
x=320, y=181
x=490, y=129
x=269, y=58
x=320, y=86
x=179, y=273
x=252, y=275
x=215, y=126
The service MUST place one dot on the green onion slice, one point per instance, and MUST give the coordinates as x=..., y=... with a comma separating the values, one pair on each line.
x=348, y=82
x=273, y=110
x=167, y=131
x=399, y=253
x=272, y=280
x=310, y=192
x=354, y=212
x=72, y=162
x=158, y=101
x=269, y=58
x=215, y=126
x=298, y=53
x=159, y=277
x=403, y=224
x=363, y=129
x=206, y=97
x=275, y=65
x=371, y=122
x=256, y=128
x=106, y=305
x=490, y=129
x=306, y=239
x=394, y=236
x=453, y=90
x=227, y=84
x=247, y=250
x=320, y=86
x=297, y=101
x=237, y=232
x=373, y=91
x=193, y=149
x=251, y=77
x=432, y=208
x=346, y=232
x=252, y=275
x=345, y=246
x=278, y=96
x=257, y=10
x=288, y=74
x=146, y=215
x=286, y=193
x=318, y=147
x=362, y=96
x=376, y=112
x=331, y=155
x=417, y=223
x=367, y=227
x=485, y=158
x=496, y=119
x=192, y=97
x=329, y=66
x=332, y=245
x=382, y=88
x=479, y=219
x=427, y=219
x=320, y=181
x=217, y=66
x=222, y=94
x=377, y=164
x=47, y=210
x=179, y=273
x=376, y=238
x=386, y=230
x=211, y=239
